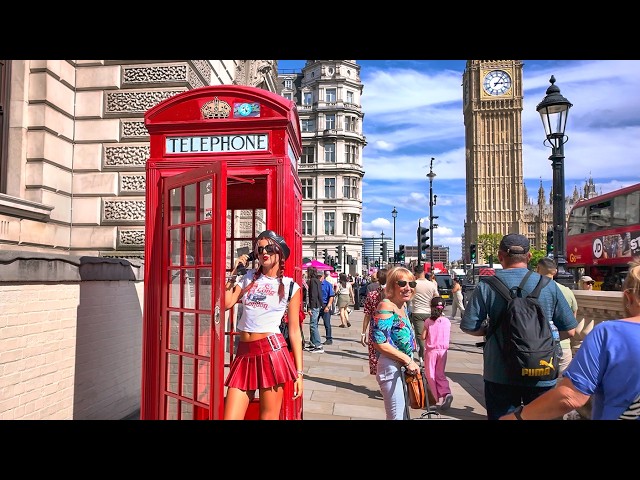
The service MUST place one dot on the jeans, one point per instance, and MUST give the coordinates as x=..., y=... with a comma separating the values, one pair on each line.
x=314, y=333
x=389, y=378
x=326, y=318
x=501, y=399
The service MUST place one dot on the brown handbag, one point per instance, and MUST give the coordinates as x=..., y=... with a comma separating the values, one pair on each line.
x=415, y=390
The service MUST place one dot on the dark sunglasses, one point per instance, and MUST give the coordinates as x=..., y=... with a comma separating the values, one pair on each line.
x=590, y=283
x=270, y=249
x=403, y=283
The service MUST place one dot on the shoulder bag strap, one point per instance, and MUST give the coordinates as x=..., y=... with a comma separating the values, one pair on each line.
x=290, y=291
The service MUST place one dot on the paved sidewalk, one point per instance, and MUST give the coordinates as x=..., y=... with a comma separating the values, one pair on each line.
x=338, y=385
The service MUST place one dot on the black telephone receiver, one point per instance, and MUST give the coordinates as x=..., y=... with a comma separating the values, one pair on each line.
x=242, y=269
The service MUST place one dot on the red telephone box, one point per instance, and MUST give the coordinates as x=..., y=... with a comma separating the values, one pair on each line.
x=223, y=167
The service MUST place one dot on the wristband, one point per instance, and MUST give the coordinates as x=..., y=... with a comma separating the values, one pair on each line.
x=362, y=334
x=408, y=363
x=300, y=373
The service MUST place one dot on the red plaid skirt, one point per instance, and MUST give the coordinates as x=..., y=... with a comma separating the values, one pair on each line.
x=261, y=364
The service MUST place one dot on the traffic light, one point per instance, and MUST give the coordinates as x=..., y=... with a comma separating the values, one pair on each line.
x=377, y=263
x=472, y=252
x=383, y=251
x=549, y=242
x=422, y=239
x=325, y=255
x=339, y=253
x=401, y=253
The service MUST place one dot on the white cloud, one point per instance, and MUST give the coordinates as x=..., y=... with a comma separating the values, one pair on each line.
x=413, y=111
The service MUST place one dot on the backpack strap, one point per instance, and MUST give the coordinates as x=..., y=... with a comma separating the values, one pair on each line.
x=544, y=280
x=507, y=293
x=499, y=286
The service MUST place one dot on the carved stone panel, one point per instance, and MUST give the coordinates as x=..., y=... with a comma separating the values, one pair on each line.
x=118, y=211
x=126, y=156
x=133, y=130
x=133, y=183
x=135, y=102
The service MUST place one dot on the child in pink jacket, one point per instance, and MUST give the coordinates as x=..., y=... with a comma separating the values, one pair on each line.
x=436, y=334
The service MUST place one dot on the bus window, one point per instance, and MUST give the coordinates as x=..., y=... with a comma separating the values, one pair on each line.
x=600, y=216
x=577, y=221
x=633, y=208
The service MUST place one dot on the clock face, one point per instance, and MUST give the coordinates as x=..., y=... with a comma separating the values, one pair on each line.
x=496, y=82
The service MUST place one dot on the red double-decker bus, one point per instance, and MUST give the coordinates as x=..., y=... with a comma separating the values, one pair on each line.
x=603, y=234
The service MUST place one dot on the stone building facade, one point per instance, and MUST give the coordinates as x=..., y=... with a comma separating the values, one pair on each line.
x=331, y=169
x=73, y=146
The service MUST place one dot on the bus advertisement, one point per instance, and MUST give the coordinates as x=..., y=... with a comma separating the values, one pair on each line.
x=603, y=234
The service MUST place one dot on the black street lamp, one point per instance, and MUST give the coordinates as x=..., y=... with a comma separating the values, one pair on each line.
x=432, y=202
x=394, y=214
x=554, y=111
x=383, y=250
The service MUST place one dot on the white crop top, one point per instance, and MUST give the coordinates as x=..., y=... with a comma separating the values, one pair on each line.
x=262, y=309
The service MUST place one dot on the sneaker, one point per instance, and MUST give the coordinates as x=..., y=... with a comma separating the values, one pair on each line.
x=308, y=347
x=446, y=402
x=328, y=342
x=318, y=349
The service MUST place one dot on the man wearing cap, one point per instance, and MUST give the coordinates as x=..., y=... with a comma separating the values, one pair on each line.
x=547, y=266
x=503, y=396
x=586, y=283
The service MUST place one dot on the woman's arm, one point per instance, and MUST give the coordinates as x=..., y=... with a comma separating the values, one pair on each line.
x=231, y=290
x=553, y=403
x=364, y=338
x=295, y=335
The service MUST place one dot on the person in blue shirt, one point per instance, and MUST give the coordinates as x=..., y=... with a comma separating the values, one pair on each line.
x=605, y=368
x=328, y=296
x=501, y=394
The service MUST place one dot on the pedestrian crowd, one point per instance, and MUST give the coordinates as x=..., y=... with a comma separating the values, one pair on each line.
x=405, y=331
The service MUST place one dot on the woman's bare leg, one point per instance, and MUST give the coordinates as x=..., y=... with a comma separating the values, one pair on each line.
x=271, y=402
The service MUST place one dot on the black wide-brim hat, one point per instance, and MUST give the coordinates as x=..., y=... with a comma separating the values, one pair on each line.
x=284, y=248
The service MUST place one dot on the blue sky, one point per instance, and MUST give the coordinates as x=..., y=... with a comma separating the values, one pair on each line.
x=413, y=111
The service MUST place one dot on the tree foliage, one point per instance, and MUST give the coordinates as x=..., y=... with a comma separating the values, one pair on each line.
x=488, y=245
x=536, y=255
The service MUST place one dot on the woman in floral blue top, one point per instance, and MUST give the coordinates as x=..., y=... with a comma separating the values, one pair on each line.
x=394, y=340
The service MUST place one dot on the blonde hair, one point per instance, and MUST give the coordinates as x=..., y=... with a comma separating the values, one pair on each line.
x=392, y=276
x=632, y=282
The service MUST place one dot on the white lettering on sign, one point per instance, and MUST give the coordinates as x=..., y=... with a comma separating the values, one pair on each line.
x=253, y=142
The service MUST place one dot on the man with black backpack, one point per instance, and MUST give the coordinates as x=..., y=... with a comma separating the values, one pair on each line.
x=523, y=316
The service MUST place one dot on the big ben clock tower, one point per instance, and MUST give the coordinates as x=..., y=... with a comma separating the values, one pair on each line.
x=492, y=109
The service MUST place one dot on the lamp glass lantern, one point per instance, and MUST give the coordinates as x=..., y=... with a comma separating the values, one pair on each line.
x=554, y=111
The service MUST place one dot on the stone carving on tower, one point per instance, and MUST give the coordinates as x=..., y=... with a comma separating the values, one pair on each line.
x=257, y=73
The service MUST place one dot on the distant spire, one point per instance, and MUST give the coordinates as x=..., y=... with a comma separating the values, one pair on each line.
x=541, y=193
